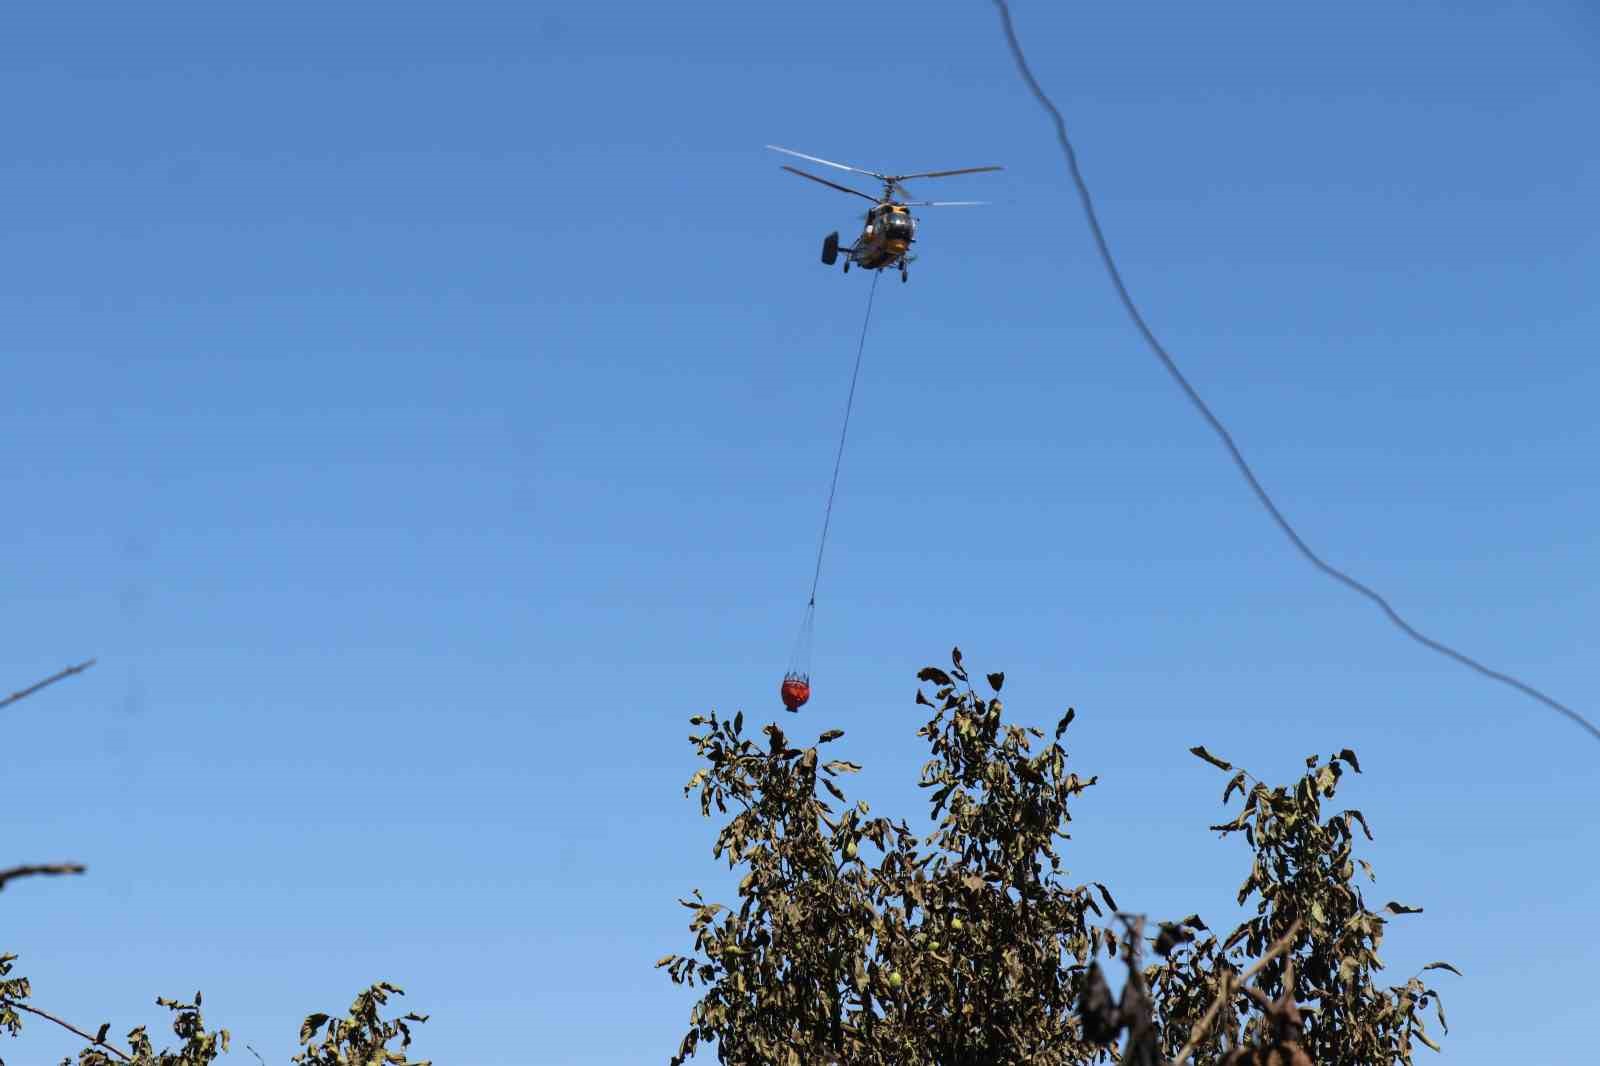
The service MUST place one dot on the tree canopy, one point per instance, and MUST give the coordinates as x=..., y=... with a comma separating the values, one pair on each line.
x=856, y=941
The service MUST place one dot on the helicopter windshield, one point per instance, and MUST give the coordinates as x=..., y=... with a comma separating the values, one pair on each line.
x=895, y=226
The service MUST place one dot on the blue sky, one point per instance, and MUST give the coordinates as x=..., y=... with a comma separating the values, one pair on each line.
x=421, y=410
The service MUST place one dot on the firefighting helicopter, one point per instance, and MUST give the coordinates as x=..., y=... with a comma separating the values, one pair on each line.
x=889, y=228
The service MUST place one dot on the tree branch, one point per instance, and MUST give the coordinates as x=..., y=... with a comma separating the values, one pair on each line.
x=1199, y=1031
x=49, y=869
x=36, y=686
x=93, y=1040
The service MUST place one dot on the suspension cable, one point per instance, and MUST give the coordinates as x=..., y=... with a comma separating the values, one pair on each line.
x=838, y=459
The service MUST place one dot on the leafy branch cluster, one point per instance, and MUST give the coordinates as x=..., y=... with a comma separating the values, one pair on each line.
x=1303, y=877
x=856, y=941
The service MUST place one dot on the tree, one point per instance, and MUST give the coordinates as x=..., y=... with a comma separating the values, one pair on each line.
x=362, y=1038
x=965, y=946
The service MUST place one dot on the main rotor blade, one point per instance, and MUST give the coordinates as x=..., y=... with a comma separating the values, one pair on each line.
x=829, y=162
x=945, y=203
x=942, y=173
x=829, y=184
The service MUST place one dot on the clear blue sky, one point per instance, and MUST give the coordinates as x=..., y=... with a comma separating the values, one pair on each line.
x=421, y=410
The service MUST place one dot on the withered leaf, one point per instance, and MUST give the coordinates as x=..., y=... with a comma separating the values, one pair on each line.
x=1170, y=937
x=934, y=674
x=309, y=1027
x=1096, y=1009
x=1201, y=752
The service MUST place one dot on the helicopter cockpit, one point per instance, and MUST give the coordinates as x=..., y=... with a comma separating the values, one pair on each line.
x=891, y=225
x=897, y=225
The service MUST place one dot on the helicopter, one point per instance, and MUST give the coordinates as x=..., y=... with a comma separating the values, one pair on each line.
x=888, y=228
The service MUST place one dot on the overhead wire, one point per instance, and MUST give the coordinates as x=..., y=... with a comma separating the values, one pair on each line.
x=1216, y=424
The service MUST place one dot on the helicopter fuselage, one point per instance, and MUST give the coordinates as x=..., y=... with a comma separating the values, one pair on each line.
x=887, y=236
x=884, y=241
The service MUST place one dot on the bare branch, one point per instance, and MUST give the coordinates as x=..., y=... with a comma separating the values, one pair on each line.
x=36, y=686
x=118, y=1052
x=1222, y=996
x=49, y=869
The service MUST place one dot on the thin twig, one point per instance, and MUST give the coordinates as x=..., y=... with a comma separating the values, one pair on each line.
x=257, y=1054
x=1259, y=996
x=31, y=689
x=95, y=1042
x=1199, y=1031
x=49, y=869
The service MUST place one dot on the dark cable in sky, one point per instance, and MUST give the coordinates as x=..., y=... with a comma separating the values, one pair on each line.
x=1227, y=440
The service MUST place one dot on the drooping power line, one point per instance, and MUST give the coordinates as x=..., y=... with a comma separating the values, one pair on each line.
x=1222, y=432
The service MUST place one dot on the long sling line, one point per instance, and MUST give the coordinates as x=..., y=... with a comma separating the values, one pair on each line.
x=838, y=459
